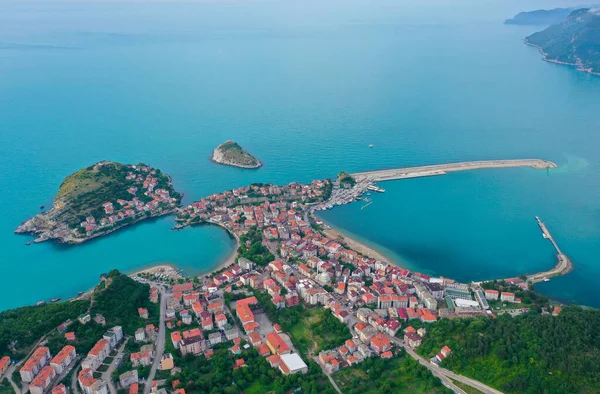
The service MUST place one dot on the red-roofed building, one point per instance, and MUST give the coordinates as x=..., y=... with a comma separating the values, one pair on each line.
x=60, y=389
x=183, y=288
x=35, y=363
x=134, y=388
x=380, y=343
x=143, y=312
x=4, y=364
x=63, y=358
x=70, y=336
x=277, y=344
x=175, y=339
x=254, y=338
x=239, y=363
x=43, y=379
x=274, y=360
x=263, y=350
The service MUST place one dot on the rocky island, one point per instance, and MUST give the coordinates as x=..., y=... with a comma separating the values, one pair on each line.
x=232, y=154
x=101, y=198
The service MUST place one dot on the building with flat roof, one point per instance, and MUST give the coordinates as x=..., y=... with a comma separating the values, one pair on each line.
x=292, y=363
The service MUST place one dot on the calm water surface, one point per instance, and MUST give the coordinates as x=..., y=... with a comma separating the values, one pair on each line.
x=305, y=86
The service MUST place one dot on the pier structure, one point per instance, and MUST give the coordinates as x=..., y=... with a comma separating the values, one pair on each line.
x=442, y=169
x=562, y=267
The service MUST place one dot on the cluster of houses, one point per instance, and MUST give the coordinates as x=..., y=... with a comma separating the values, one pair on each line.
x=143, y=179
x=95, y=358
x=438, y=358
x=41, y=368
x=264, y=206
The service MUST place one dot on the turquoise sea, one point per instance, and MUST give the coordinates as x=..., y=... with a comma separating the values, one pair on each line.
x=306, y=87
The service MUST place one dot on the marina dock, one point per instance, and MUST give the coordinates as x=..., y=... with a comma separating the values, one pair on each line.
x=442, y=169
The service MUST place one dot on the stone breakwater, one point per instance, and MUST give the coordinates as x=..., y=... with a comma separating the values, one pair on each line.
x=442, y=169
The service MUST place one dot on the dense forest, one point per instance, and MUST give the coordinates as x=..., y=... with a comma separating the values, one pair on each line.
x=119, y=303
x=531, y=353
x=24, y=326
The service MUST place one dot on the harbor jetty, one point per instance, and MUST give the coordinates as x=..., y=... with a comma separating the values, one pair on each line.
x=442, y=169
x=562, y=267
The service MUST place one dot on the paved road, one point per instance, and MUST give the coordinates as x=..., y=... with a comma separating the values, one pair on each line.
x=439, y=371
x=8, y=374
x=160, y=342
x=107, y=375
x=74, y=385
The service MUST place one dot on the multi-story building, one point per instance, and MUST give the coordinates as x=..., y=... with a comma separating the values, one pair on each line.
x=508, y=297
x=192, y=345
x=38, y=360
x=89, y=384
x=96, y=355
x=63, y=359
x=114, y=336
x=43, y=379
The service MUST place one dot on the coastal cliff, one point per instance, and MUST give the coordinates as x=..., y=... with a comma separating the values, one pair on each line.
x=102, y=198
x=231, y=153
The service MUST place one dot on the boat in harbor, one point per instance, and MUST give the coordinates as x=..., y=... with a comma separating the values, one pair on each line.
x=56, y=299
x=376, y=188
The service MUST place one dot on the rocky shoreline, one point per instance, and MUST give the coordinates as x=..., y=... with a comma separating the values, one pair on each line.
x=61, y=233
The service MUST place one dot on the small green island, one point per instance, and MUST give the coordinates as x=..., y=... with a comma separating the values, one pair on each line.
x=230, y=153
x=101, y=198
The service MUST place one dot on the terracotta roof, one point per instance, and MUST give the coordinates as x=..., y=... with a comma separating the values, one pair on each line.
x=63, y=354
x=35, y=358
x=86, y=378
x=4, y=361
x=134, y=388
x=98, y=347
x=60, y=389
x=277, y=343
x=42, y=377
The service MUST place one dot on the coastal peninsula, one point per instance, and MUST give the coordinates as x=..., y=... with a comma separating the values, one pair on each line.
x=573, y=42
x=230, y=153
x=101, y=198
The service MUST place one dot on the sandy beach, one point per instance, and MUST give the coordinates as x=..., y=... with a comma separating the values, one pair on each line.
x=169, y=270
x=357, y=246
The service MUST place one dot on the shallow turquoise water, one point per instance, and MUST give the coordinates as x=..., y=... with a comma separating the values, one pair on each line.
x=305, y=87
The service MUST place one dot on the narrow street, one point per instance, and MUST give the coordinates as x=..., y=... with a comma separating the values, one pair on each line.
x=107, y=375
x=160, y=342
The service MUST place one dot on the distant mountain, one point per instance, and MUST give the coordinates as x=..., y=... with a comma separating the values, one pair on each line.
x=575, y=41
x=540, y=17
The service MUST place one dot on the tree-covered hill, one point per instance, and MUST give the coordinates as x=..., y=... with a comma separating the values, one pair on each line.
x=576, y=41
x=531, y=353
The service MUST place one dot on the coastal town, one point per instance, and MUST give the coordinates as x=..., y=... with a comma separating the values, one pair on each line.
x=102, y=198
x=257, y=311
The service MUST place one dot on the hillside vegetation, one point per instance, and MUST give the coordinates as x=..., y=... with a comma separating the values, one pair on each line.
x=531, y=353
x=576, y=41
x=120, y=300
x=22, y=327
